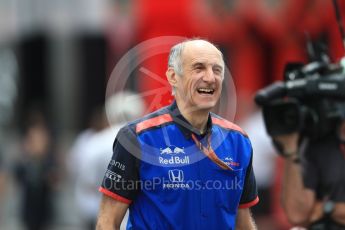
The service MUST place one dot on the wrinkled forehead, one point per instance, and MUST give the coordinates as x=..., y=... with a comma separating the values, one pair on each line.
x=200, y=50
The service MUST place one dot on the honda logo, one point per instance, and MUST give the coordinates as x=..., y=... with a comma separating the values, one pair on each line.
x=176, y=175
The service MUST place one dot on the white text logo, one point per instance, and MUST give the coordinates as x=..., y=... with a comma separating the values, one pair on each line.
x=174, y=160
x=113, y=176
x=176, y=175
x=118, y=165
x=173, y=155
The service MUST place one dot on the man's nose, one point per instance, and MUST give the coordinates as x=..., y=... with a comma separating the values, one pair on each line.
x=209, y=76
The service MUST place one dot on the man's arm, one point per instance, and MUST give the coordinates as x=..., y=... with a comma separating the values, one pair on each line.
x=244, y=220
x=338, y=215
x=111, y=214
x=339, y=212
x=297, y=200
x=248, y=199
x=121, y=173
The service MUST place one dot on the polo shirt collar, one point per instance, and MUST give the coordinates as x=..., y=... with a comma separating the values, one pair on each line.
x=186, y=128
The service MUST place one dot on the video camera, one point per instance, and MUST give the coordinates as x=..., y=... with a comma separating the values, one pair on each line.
x=310, y=100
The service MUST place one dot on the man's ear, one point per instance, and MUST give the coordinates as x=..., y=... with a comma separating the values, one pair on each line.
x=171, y=75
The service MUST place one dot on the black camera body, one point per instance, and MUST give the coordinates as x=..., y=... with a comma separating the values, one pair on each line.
x=310, y=100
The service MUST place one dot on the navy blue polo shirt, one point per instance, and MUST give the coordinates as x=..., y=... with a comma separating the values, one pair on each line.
x=170, y=183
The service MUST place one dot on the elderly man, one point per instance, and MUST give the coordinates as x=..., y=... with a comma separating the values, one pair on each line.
x=182, y=167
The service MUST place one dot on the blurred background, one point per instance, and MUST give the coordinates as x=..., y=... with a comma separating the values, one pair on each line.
x=55, y=61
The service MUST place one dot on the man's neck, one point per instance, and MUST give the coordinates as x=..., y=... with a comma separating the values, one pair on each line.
x=197, y=118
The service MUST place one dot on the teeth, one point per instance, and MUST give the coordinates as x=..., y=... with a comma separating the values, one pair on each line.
x=205, y=90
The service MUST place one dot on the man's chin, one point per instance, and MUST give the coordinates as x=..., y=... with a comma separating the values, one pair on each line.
x=206, y=106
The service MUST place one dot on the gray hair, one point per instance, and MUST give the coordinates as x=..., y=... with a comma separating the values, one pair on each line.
x=175, y=58
x=175, y=61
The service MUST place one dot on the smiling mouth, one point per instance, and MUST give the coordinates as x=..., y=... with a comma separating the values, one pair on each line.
x=205, y=91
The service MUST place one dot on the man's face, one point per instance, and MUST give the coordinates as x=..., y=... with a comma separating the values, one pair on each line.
x=201, y=84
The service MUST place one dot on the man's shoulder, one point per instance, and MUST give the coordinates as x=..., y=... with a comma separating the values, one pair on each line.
x=149, y=121
x=234, y=134
x=225, y=124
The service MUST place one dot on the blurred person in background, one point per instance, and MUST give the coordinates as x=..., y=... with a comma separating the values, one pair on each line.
x=36, y=174
x=97, y=122
x=313, y=193
x=2, y=184
x=74, y=161
x=96, y=152
x=264, y=161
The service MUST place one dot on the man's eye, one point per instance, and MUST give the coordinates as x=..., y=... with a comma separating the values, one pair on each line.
x=218, y=71
x=198, y=69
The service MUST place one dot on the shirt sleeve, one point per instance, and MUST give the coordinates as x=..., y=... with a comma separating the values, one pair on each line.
x=309, y=171
x=121, y=179
x=249, y=196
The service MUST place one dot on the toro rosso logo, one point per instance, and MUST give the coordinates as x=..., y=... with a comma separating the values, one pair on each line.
x=171, y=150
x=229, y=161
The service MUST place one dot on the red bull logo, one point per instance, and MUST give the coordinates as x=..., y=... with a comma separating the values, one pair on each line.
x=171, y=150
x=174, y=156
x=174, y=160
